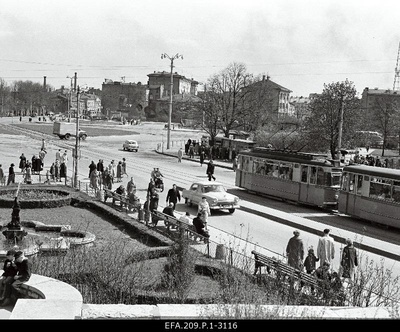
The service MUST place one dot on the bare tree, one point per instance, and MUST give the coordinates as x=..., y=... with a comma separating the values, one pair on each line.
x=333, y=115
x=226, y=95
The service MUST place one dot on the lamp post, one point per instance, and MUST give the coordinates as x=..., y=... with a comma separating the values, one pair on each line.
x=69, y=99
x=176, y=56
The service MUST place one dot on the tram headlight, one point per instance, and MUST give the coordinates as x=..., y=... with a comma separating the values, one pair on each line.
x=337, y=196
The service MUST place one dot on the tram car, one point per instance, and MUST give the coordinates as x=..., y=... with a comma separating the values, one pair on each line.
x=305, y=178
x=371, y=193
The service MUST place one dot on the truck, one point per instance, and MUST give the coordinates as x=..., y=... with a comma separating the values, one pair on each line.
x=65, y=130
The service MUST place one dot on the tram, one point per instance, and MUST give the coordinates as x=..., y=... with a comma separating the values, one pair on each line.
x=371, y=193
x=305, y=178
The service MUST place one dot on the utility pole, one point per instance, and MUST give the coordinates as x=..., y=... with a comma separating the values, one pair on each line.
x=76, y=140
x=396, y=83
x=176, y=56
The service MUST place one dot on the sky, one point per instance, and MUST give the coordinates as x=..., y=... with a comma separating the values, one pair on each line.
x=299, y=44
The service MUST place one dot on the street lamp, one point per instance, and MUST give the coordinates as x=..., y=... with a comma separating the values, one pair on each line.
x=69, y=99
x=176, y=56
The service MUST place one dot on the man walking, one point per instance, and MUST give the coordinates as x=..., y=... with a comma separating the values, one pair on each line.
x=326, y=248
x=295, y=251
x=180, y=155
x=173, y=196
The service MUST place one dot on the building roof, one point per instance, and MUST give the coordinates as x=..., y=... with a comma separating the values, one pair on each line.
x=377, y=91
x=168, y=74
x=272, y=84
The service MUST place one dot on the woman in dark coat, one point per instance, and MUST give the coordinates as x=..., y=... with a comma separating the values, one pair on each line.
x=210, y=171
x=22, y=162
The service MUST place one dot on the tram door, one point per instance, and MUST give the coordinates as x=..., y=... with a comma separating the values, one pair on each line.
x=304, y=185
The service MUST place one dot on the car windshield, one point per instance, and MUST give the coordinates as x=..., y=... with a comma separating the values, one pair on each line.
x=213, y=188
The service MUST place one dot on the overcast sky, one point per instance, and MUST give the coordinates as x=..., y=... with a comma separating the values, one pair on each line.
x=300, y=44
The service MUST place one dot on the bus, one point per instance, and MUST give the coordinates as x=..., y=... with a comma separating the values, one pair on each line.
x=371, y=193
x=306, y=178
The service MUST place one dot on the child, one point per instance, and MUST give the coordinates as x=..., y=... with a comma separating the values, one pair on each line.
x=7, y=278
x=310, y=261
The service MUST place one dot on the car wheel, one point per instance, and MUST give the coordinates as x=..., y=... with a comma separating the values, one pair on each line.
x=231, y=210
x=67, y=136
x=124, y=148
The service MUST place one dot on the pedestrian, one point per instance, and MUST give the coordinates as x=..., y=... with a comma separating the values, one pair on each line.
x=57, y=170
x=11, y=175
x=64, y=157
x=202, y=156
x=131, y=186
x=92, y=167
x=200, y=226
x=151, y=188
x=7, y=278
x=100, y=166
x=58, y=155
x=2, y=177
x=204, y=209
x=169, y=210
x=210, y=171
x=349, y=261
x=63, y=170
x=42, y=154
x=326, y=248
x=311, y=261
x=43, y=145
x=119, y=171
x=52, y=171
x=23, y=273
x=185, y=218
x=28, y=173
x=22, y=162
x=191, y=151
x=180, y=155
x=173, y=196
x=94, y=180
x=134, y=201
x=295, y=251
x=235, y=164
x=123, y=171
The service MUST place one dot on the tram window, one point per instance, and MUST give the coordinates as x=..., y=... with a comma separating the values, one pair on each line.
x=275, y=172
x=321, y=180
x=285, y=171
x=335, y=180
x=259, y=168
x=352, y=183
x=304, y=172
x=380, y=189
x=269, y=169
x=396, y=191
x=345, y=181
x=313, y=175
x=359, y=184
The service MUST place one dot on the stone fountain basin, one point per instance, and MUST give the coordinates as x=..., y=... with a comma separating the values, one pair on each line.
x=52, y=238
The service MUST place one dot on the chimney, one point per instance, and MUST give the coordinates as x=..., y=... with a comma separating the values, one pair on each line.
x=44, y=82
x=263, y=78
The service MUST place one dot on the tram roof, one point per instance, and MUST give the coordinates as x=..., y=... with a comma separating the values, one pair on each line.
x=374, y=171
x=297, y=157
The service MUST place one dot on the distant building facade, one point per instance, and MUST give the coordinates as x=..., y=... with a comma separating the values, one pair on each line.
x=300, y=106
x=278, y=98
x=184, y=90
x=370, y=98
x=125, y=100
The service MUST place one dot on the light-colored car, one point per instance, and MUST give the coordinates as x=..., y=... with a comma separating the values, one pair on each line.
x=130, y=145
x=215, y=193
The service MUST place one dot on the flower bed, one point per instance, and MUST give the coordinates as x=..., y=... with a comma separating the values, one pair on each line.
x=35, y=198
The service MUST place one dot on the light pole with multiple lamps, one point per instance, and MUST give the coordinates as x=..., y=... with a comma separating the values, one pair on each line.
x=176, y=56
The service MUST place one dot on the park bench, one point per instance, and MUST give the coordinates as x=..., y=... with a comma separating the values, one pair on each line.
x=284, y=270
x=115, y=197
x=172, y=223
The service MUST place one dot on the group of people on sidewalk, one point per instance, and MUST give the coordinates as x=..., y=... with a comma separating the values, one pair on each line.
x=324, y=255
